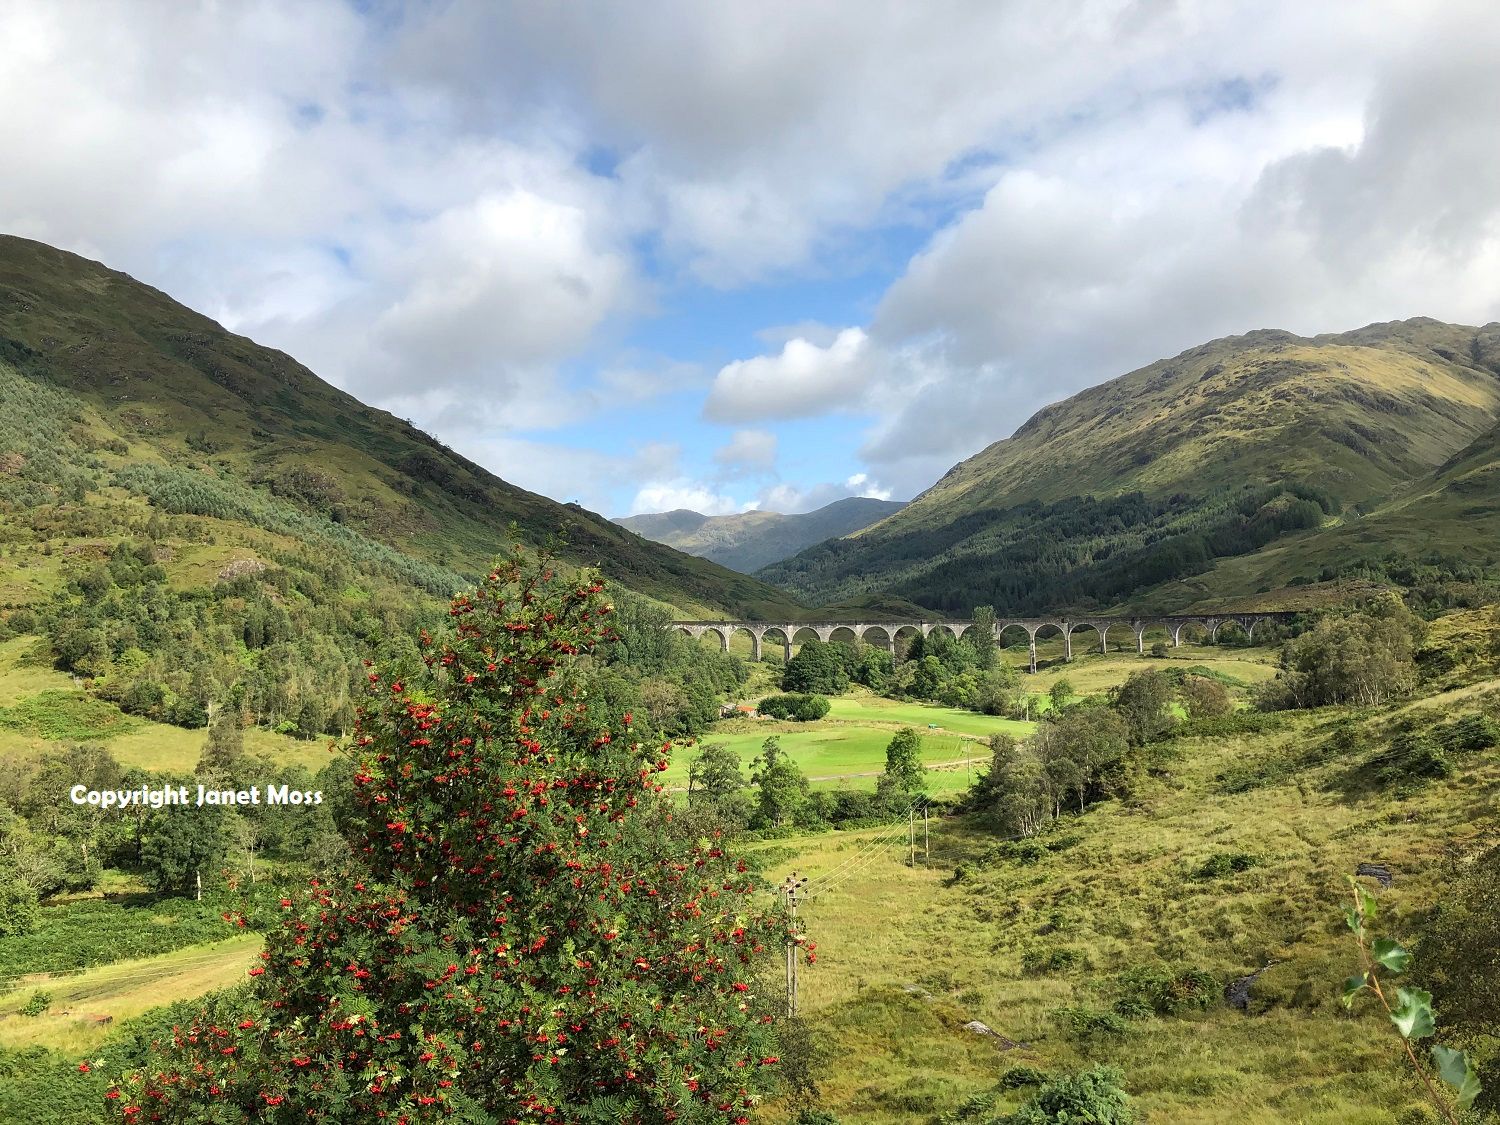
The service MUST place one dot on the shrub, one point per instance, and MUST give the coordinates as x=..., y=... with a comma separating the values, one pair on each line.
x=1133, y=1008
x=1019, y=1076
x=1470, y=733
x=1414, y=758
x=1167, y=992
x=794, y=707
x=811, y=708
x=1036, y=962
x=1225, y=863
x=1233, y=723
x=1089, y=1022
x=37, y=1003
x=1092, y=1095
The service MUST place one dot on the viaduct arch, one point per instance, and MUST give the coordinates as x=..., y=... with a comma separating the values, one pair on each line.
x=884, y=633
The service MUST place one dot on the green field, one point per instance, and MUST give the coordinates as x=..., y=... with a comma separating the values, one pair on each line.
x=831, y=754
x=119, y=991
x=875, y=710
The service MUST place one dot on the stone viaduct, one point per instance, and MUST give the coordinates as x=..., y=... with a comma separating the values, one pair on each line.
x=884, y=633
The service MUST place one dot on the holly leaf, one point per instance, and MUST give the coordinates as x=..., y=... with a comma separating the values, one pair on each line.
x=1412, y=1014
x=1389, y=952
x=1453, y=1068
x=1353, y=987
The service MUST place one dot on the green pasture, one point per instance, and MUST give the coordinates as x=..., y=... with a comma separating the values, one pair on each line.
x=833, y=754
x=85, y=1007
x=873, y=709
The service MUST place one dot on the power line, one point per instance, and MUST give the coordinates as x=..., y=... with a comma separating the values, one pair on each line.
x=861, y=851
x=857, y=862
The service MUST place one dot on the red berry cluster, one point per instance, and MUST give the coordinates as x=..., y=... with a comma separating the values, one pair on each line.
x=530, y=939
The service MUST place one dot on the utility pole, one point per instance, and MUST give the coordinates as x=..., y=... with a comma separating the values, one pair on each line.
x=789, y=889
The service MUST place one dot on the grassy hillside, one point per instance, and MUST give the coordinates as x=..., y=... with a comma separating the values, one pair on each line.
x=1226, y=452
x=1438, y=536
x=748, y=541
x=152, y=383
x=1225, y=866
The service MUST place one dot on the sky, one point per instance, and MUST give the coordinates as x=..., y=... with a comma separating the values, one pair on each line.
x=758, y=255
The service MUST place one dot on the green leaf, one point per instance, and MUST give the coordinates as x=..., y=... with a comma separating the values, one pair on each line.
x=1389, y=953
x=1412, y=1014
x=1367, y=904
x=1453, y=1068
x=1355, y=922
x=1353, y=987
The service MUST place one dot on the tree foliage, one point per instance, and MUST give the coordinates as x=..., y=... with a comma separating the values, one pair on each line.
x=530, y=940
x=782, y=789
x=1144, y=701
x=817, y=668
x=1363, y=657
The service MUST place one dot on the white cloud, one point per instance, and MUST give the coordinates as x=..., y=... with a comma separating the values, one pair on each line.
x=668, y=496
x=860, y=484
x=747, y=451
x=802, y=379
x=441, y=207
x=258, y=165
x=1137, y=235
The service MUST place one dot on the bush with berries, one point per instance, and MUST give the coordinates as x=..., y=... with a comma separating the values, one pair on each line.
x=530, y=937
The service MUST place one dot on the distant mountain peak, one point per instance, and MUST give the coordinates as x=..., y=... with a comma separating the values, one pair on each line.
x=747, y=541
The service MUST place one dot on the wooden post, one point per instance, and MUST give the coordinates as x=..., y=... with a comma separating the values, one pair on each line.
x=911, y=836
x=788, y=891
x=926, y=836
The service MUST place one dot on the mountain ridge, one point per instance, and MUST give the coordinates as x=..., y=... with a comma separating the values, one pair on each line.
x=747, y=541
x=1140, y=481
x=175, y=386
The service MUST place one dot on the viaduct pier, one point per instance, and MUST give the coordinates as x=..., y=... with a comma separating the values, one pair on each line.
x=885, y=633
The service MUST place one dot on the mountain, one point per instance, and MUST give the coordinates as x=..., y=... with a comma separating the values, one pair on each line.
x=1437, y=535
x=161, y=391
x=750, y=540
x=1231, y=470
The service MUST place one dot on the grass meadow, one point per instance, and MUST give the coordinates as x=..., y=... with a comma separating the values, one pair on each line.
x=120, y=991
x=907, y=955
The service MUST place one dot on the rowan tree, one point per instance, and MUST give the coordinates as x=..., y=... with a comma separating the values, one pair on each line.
x=531, y=940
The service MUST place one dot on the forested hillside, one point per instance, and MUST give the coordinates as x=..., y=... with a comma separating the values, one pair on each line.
x=1208, y=468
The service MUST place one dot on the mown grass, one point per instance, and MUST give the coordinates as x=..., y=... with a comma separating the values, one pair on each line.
x=873, y=709
x=122, y=990
x=906, y=955
x=830, y=753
